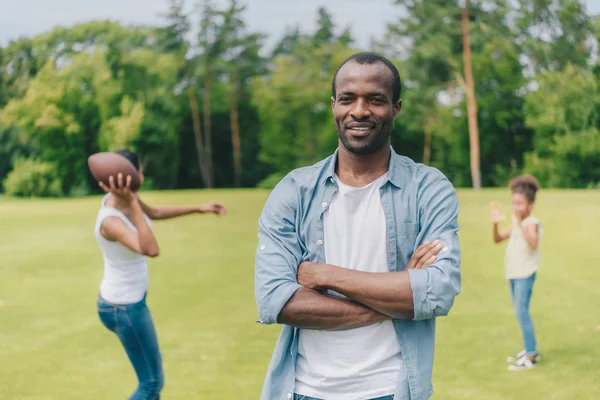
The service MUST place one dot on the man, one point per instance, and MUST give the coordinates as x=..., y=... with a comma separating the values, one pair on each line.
x=357, y=256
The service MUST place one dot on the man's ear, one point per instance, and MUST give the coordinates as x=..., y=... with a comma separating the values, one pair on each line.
x=397, y=108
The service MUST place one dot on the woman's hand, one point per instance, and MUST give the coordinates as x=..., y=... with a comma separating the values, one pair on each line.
x=120, y=189
x=213, y=207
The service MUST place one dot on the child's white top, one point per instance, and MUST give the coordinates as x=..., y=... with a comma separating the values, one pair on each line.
x=520, y=260
x=125, y=278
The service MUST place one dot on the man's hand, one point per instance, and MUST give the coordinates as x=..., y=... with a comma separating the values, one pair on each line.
x=309, y=275
x=425, y=255
x=213, y=207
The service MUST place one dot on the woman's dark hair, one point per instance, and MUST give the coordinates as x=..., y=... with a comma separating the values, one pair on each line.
x=131, y=156
x=526, y=185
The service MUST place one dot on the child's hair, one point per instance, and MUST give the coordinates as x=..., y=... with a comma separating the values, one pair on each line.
x=526, y=185
x=131, y=156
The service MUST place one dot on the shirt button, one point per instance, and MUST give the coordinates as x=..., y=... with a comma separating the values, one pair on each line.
x=324, y=204
x=320, y=242
x=262, y=247
x=445, y=249
x=289, y=395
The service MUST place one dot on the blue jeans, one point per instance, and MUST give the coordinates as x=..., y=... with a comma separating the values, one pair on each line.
x=132, y=323
x=301, y=397
x=521, y=290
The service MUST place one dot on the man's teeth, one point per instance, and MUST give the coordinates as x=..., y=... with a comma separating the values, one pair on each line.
x=360, y=128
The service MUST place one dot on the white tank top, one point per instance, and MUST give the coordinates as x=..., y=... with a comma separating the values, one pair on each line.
x=125, y=278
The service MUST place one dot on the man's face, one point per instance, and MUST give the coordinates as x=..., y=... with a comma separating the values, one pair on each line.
x=363, y=109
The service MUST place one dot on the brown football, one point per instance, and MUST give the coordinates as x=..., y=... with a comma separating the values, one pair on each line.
x=103, y=165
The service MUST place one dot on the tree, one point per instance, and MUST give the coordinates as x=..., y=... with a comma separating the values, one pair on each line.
x=468, y=85
x=565, y=121
x=102, y=86
x=173, y=40
x=240, y=61
x=553, y=33
x=294, y=100
x=438, y=34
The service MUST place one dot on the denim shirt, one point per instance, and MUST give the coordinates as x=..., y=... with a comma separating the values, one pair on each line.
x=419, y=204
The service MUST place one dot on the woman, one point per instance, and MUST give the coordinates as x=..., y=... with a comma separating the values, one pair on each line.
x=124, y=232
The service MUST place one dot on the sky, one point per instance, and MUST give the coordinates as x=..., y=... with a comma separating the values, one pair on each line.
x=31, y=17
x=367, y=18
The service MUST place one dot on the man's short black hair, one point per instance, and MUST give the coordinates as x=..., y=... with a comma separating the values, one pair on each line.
x=372, y=58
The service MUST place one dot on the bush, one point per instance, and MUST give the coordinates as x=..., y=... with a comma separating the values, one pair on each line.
x=11, y=148
x=571, y=161
x=33, y=178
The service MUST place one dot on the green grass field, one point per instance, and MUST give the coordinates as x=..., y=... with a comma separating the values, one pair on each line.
x=52, y=345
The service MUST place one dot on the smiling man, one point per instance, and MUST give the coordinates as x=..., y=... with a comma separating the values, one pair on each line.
x=357, y=256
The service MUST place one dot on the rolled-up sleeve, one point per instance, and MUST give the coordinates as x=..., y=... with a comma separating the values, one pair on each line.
x=278, y=253
x=435, y=288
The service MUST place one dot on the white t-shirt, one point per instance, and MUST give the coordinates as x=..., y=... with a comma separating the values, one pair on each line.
x=125, y=278
x=520, y=260
x=360, y=363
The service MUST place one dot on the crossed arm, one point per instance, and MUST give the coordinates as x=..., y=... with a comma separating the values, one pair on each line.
x=374, y=297
x=288, y=290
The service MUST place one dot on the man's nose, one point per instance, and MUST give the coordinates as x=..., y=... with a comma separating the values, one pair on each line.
x=360, y=109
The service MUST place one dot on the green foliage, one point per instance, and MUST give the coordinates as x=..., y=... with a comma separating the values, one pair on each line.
x=566, y=101
x=294, y=100
x=511, y=42
x=563, y=113
x=554, y=33
x=33, y=178
x=11, y=148
x=99, y=86
x=572, y=161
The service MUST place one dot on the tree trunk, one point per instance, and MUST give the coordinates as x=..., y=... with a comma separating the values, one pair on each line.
x=196, y=126
x=207, y=131
x=471, y=101
x=235, y=132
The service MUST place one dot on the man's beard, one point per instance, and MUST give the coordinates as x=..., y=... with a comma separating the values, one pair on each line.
x=375, y=143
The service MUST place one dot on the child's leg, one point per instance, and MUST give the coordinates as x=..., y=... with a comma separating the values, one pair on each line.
x=522, y=291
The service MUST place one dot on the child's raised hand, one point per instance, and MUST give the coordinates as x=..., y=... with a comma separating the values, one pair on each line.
x=495, y=215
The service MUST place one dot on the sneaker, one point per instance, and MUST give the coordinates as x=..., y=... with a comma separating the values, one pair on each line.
x=514, y=359
x=522, y=364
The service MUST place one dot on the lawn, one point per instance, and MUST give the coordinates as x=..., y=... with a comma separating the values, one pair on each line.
x=52, y=345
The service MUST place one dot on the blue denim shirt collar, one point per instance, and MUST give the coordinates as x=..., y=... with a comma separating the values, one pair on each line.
x=395, y=176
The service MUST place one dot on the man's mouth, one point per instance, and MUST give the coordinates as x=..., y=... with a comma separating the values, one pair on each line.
x=359, y=130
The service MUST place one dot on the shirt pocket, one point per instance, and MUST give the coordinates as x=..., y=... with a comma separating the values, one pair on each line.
x=406, y=240
x=407, y=229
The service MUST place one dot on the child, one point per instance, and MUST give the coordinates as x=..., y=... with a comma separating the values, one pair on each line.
x=521, y=261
